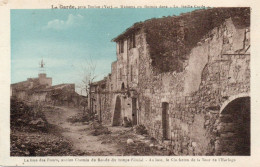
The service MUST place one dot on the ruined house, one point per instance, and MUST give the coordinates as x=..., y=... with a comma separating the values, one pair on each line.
x=22, y=90
x=100, y=99
x=187, y=80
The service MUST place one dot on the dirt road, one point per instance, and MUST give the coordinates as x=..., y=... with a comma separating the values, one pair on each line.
x=79, y=134
x=113, y=144
x=55, y=131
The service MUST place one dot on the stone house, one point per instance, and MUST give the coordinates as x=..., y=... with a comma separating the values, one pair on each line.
x=22, y=90
x=187, y=80
x=62, y=94
x=40, y=90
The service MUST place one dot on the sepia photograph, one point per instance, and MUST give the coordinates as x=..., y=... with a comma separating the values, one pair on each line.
x=130, y=82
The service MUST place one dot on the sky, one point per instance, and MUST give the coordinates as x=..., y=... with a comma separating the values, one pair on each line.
x=68, y=40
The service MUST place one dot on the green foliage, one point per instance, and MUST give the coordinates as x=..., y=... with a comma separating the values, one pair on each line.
x=171, y=39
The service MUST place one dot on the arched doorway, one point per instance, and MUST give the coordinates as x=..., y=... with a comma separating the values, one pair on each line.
x=234, y=127
x=117, y=120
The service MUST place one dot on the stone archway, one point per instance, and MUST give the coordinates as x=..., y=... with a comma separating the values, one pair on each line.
x=234, y=128
x=117, y=118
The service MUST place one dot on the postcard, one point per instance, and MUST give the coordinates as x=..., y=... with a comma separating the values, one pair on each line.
x=88, y=83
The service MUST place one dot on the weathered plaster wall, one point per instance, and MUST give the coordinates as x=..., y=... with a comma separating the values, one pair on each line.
x=196, y=63
x=129, y=60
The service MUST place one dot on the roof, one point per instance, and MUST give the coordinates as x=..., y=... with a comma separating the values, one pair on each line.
x=128, y=31
x=60, y=86
x=170, y=39
x=184, y=16
x=99, y=82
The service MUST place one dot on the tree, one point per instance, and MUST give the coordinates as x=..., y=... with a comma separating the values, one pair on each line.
x=88, y=73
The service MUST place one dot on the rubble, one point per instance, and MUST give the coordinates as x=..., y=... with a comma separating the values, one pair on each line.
x=24, y=117
x=140, y=129
x=130, y=141
x=127, y=122
x=32, y=135
x=38, y=144
x=82, y=117
x=98, y=129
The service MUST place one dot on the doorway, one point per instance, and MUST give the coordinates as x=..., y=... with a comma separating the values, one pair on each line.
x=165, y=121
x=235, y=121
x=134, y=112
x=117, y=121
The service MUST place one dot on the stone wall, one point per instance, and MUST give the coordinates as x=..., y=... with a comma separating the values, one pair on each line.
x=216, y=70
x=215, y=74
x=101, y=98
x=106, y=98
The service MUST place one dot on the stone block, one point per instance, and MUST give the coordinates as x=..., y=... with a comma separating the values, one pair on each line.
x=194, y=144
x=207, y=122
x=191, y=150
x=184, y=152
x=184, y=144
x=227, y=135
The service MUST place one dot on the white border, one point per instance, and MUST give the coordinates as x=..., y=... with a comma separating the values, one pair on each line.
x=6, y=160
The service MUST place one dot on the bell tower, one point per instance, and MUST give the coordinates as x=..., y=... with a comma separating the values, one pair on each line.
x=43, y=80
x=42, y=67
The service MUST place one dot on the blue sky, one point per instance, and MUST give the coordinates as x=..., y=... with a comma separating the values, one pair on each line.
x=68, y=39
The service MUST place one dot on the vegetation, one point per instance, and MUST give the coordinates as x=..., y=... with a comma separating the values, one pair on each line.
x=171, y=39
x=32, y=135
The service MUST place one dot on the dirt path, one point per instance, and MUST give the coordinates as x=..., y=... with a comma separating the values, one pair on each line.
x=78, y=133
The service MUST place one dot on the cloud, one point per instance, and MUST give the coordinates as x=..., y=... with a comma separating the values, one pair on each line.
x=57, y=24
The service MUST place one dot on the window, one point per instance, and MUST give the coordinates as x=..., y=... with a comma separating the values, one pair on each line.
x=121, y=46
x=131, y=41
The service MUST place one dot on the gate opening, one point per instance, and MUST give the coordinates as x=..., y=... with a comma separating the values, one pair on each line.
x=235, y=127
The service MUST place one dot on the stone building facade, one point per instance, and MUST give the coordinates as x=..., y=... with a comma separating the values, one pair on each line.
x=22, y=89
x=201, y=106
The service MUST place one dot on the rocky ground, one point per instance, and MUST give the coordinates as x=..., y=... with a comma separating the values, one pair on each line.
x=32, y=135
x=56, y=131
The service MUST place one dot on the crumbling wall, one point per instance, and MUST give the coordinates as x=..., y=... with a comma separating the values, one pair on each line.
x=216, y=69
x=172, y=38
x=107, y=101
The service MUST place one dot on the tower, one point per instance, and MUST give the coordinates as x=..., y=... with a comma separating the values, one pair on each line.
x=42, y=67
x=43, y=79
